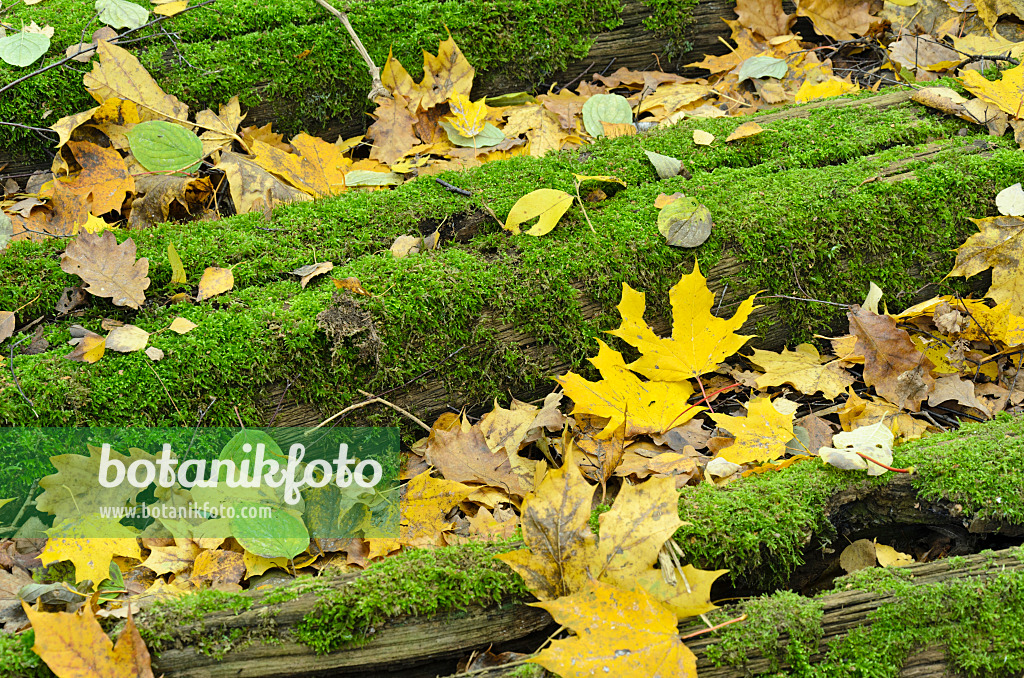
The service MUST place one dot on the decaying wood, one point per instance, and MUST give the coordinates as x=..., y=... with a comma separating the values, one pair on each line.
x=427, y=643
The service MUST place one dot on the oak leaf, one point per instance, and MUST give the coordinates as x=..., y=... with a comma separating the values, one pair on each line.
x=803, y=369
x=74, y=645
x=643, y=406
x=892, y=364
x=761, y=435
x=108, y=269
x=699, y=340
x=619, y=633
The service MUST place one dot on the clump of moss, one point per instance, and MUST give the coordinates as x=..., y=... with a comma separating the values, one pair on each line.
x=17, y=658
x=182, y=620
x=418, y=582
x=783, y=627
x=292, y=53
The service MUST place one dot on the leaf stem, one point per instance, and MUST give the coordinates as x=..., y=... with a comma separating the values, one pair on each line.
x=887, y=468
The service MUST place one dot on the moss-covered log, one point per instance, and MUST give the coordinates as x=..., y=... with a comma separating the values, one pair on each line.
x=799, y=212
x=764, y=528
x=290, y=64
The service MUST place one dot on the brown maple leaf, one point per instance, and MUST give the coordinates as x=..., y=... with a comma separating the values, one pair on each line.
x=108, y=269
x=392, y=132
x=892, y=364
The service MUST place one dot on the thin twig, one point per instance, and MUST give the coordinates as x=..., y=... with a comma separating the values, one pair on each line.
x=45, y=130
x=713, y=628
x=577, y=78
x=280, y=403
x=28, y=502
x=377, y=89
x=453, y=189
x=90, y=48
x=168, y=393
x=371, y=399
x=15, y=377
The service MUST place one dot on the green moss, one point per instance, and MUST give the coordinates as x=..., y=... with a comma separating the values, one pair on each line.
x=419, y=582
x=252, y=49
x=672, y=20
x=17, y=658
x=758, y=528
x=979, y=468
x=791, y=206
x=181, y=620
x=977, y=620
x=784, y=628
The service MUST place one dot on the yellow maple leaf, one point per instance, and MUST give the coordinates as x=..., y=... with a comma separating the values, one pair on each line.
x=75, y=540
x=620, y=633
x=858, y=412
x=556, y=529
x=699, y=340
x=691, y=595
x=803, y=369
x=1008, y=92
x=467, y=117
x=317, y=168
x=424, y=505
x=832, y=87
x=644, y=407
x=444, y=76
x=998, y=245
x=74, y=644
x=761, y=435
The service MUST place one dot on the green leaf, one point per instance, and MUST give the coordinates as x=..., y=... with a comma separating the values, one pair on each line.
x=763, y=67
x=685, y=223
x=489, y=136
x=547, y=203
x=161, y=146
x=177, y=269
x=368, y=178
x=21, y=49
x=121, y=14
x=283, y=535
x=666, y=166
x=611, y=108
x=512, y=99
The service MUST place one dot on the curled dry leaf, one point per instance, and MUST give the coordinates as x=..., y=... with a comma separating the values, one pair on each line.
x=352, y=285
x=6, y=324
x=405, y=245
x=310, y=271
x=108, y=269
x=215, y=281
x=154, y=354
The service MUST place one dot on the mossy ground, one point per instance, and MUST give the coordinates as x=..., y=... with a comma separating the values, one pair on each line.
x=294, y=54
x=791, y=206
x=978, y=622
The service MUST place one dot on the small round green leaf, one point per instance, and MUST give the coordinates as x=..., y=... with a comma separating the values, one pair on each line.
x=489, y=136
x=121, y=14
x=763, y=67
x=283, y=535
x=610, y=108
x=21, y=49
x=685, y=223
x=161, y=146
